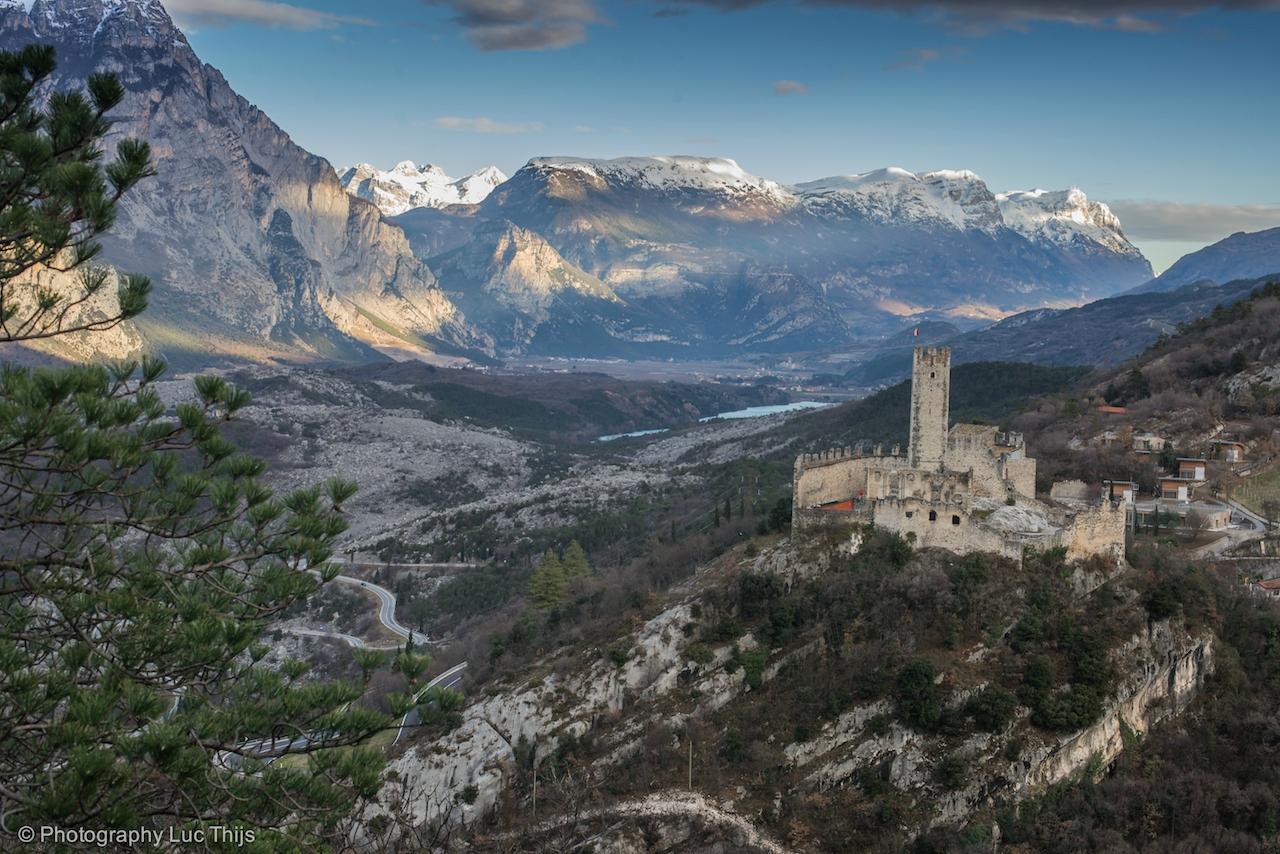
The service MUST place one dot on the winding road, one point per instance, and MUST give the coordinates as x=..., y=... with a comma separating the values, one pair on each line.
x=386, y=616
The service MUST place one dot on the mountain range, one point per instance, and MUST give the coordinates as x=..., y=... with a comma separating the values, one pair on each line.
x=699, y=256
x=260, y=249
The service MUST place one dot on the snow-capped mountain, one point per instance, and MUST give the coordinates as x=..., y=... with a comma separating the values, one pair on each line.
x=257, y=246
x=894, y=195
x=715, y=176
x=408, y=186
x=1063, y=216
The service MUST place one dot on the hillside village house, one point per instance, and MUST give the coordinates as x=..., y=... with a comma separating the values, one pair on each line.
x=1175, y=489
x=1229, y=450
x=1269, y=588
x=1193, y=515
x=1148, y=443
x=1121, y=490
x=1191, y=468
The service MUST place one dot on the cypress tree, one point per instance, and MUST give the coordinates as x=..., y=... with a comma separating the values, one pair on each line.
x=547, y=583
x=575, y=561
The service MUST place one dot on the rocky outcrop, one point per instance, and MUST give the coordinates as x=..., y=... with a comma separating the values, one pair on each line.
x=252, y=243
x=1162, y=670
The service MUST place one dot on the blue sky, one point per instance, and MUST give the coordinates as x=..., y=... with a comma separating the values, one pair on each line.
x=1177, y=127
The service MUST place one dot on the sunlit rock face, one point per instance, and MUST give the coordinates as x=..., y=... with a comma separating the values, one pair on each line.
x=251, y=241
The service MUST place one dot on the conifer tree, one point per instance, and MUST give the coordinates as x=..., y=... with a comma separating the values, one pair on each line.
x=547, y=584
x=141, y=560
x=575, y=562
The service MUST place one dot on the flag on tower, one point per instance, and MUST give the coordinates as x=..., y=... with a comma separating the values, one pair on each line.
x=916, y=332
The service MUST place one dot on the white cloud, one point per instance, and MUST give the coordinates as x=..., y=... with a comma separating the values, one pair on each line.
x=1203, y=223
x=263, y=12
x=483, y=124
x=789, y=87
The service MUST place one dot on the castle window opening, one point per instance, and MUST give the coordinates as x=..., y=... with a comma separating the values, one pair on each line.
x=910, y=513
x=933, y=515
x=955, y=520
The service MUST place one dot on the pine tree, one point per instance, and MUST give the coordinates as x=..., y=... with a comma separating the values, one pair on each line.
x=140, y=557
x=547, y=584
x=728, y=509
x=575, y=562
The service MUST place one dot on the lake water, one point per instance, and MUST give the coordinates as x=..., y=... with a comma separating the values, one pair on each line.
x=757, y=411
x=749, y=412
x=633, y=434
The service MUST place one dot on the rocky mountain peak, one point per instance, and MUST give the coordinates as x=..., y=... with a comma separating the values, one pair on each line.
x=85, y=22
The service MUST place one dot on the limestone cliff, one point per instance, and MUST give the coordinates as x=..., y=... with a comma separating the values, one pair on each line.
x=252, y=243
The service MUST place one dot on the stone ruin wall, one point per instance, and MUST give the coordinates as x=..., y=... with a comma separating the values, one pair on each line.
x=967, y=536
x=1096, y=530
x=1020, y=472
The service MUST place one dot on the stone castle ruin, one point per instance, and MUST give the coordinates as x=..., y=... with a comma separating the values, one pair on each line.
x=970, y=488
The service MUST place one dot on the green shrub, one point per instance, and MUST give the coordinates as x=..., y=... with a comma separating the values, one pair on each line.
x=699, y=653
x=753, y=666
x=917, y=698
x=992, y=708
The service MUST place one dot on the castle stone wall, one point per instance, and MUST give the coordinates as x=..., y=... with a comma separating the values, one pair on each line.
x=835, y=475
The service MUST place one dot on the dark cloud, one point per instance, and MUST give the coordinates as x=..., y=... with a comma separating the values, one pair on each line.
x=542, y=24
x=523, y=24
x=1146, y=220
x=1129, y=15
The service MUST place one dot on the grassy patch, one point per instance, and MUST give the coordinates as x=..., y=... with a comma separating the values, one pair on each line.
x=1262, y=487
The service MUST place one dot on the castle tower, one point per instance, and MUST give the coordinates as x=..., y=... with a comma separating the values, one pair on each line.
x=930, y=406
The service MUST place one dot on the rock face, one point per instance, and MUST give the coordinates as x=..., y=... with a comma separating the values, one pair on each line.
x=251, y=241
x=711, y=259
x=529, y=298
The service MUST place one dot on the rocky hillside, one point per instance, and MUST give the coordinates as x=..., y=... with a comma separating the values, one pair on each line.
x=711, y=259
x=802, y=699
x=254, y=246
x=1243, y=255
